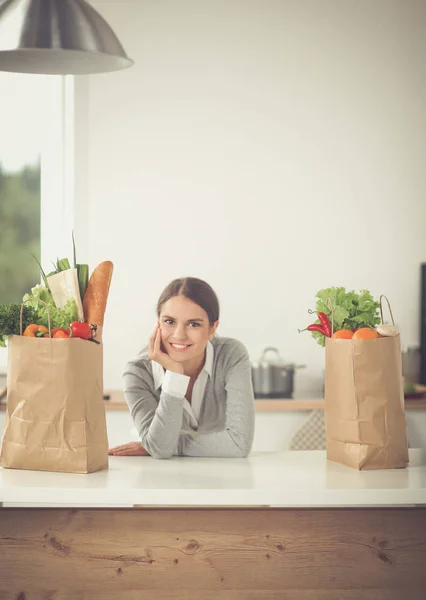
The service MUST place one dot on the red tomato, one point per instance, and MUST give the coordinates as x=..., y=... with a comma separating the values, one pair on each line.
x=60, y=333
x=56, y=329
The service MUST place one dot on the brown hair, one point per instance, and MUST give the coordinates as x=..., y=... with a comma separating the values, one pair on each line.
x=196, y=290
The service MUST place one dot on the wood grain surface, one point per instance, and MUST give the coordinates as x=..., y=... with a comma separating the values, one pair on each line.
x=101, y=594
x=274, y=554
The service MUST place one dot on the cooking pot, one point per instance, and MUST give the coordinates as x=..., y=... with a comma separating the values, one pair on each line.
x=272, y=377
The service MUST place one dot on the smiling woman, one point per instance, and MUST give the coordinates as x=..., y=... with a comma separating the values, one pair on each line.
x=190, y=392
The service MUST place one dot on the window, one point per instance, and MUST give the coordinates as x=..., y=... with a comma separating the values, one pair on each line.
x=33, y=129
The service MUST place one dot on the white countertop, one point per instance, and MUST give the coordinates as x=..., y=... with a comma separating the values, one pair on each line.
x=272, y=479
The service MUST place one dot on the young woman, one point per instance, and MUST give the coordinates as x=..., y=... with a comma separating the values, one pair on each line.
x=190, y=392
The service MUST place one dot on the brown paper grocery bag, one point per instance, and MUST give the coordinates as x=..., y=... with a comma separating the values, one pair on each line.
x=364, y=403
x=55, y=415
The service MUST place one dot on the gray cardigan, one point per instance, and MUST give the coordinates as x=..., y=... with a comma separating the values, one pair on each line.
x=226, y=421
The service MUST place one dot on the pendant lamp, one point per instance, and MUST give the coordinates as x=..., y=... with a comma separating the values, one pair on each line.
x=57, y=37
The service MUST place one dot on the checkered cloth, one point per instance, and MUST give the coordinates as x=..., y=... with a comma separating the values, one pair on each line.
x=311, y=435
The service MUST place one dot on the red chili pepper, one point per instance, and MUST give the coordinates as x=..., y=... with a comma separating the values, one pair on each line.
x=314, y=327
x=83, y=331
x=324, y=321
x=325, y=324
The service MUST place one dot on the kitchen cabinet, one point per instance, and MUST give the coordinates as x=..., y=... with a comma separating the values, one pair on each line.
x=274, y=525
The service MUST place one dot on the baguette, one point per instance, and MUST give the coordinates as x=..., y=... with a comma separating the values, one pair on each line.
x=96, y=295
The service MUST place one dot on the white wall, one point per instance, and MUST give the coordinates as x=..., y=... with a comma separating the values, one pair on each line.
x=270, y=147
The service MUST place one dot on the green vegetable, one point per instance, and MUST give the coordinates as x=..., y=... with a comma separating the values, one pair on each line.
x=73, y=249
x=40, y=292
x=82, y=271
x=351, y=310
x=59, y=317
x=43, y=274
x=62, y=265
x=9, y=320
x=83, y=278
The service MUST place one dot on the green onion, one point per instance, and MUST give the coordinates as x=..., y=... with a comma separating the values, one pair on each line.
x=82, y=271
x=43, y=274
x=63, y=265
x=83, y=278
x=73, y=247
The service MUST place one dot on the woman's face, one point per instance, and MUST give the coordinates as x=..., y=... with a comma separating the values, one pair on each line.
x=185, y=328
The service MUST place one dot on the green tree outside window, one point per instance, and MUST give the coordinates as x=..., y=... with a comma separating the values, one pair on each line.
x=19, y=232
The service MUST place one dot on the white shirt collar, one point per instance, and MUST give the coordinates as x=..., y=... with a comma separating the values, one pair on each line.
x=158, y=371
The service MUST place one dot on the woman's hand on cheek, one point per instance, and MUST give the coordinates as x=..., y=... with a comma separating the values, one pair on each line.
x=156, y=353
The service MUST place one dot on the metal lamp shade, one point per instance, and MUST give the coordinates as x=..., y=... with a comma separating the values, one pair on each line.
x=57, y=37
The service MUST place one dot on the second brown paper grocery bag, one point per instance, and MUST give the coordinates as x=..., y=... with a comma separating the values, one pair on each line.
x=364, y=403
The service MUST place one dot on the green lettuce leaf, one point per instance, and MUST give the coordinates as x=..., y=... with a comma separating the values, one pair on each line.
x=59, y=317
x=351, y=309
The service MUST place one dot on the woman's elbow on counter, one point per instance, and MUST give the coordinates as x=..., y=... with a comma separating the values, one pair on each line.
x=161, y=455
x=243, y=444
x=242, y=448
x=243, y=452
x=156, y=451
